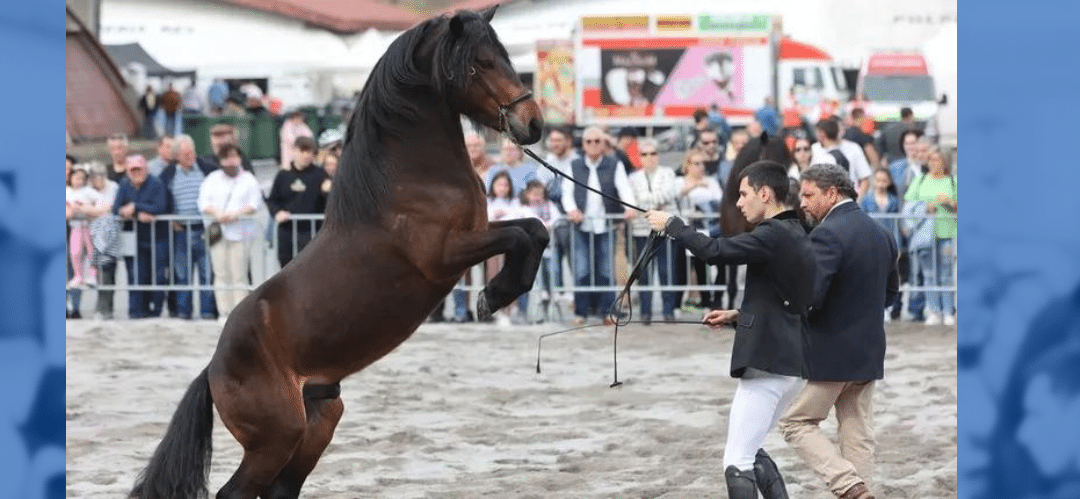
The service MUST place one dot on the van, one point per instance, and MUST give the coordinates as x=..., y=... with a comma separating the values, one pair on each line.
x=890, y=81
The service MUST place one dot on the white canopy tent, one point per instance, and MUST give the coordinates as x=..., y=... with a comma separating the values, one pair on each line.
x=304, y=64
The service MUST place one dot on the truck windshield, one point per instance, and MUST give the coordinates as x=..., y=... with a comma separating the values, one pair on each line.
x=838, y=78
x=899, y=88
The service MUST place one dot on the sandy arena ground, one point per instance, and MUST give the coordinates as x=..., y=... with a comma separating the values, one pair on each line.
x=458, y=411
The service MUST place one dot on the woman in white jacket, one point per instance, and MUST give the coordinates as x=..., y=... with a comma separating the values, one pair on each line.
x=655, y=189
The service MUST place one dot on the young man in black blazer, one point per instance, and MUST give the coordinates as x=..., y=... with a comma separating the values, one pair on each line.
x=856, y=278
x=767, y=355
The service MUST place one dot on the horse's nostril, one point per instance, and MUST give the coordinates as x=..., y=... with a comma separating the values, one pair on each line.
x=535, y=126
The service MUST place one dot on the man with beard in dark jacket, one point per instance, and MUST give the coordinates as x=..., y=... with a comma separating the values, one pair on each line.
x=856, y=278
x=767, y=356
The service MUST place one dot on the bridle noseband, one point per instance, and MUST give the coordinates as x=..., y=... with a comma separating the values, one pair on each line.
x=504, y=109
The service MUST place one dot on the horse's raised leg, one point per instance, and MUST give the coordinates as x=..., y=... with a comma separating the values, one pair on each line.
x=324, y=409
x=522, y=240
x=519, y=269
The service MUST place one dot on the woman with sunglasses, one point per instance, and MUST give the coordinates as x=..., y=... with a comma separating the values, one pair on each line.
x=699, y=200
x=655, y=189
x=800, y=158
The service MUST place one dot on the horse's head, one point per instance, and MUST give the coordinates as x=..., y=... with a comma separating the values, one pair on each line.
x=480, y=81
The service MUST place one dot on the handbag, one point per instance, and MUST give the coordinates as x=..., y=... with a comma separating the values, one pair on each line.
x=213, y=232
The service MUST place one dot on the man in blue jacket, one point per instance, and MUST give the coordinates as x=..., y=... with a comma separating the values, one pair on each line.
x=140, y=197
x=767, y=356
x=856, y=278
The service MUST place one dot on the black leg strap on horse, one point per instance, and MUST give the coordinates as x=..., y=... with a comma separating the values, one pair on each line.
x=322, y=392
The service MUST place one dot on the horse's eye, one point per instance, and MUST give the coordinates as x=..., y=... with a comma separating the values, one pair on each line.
x=487, y=63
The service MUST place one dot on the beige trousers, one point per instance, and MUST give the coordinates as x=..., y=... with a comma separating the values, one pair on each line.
x=230, y=262
x=853, y=461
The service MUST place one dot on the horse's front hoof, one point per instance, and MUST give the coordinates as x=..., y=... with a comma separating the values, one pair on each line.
x=483, y=309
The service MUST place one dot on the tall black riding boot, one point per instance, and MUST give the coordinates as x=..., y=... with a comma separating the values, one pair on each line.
x=740, y=484
x=769, y=480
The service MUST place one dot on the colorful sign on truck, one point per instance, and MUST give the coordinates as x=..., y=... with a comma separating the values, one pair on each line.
x=657, y=69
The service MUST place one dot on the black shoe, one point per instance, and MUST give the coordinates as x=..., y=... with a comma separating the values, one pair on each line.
x=769, y=480
x=75, y=315
x=740, y=484
x=69, y=314
x=646, y=320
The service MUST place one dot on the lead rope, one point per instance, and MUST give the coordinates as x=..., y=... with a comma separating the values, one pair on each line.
x=652, y=246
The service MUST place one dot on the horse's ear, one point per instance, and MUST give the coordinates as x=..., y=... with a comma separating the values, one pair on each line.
x=489, y=13
x=456, y=25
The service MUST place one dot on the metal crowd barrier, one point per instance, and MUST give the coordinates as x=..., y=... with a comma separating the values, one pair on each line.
x=263, y=262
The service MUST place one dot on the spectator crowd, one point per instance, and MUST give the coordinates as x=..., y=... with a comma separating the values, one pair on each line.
x=179, y=220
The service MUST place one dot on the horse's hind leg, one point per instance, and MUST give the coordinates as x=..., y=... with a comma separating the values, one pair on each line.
x=268, y=427
x=323, y=413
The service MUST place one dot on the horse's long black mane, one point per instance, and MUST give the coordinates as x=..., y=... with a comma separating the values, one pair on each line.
x=756, y=149
x=386, y=107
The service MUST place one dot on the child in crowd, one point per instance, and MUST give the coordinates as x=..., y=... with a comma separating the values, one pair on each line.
x=501, y=206
x=80, y=199
x=535, y=203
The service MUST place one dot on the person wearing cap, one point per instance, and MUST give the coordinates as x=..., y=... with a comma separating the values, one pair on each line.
x=140, y=198
x=293, y=128
x=296, y=190
x=331, y=142
x=221, y=134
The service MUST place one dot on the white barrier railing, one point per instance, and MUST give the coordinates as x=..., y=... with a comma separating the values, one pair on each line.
x=163, y=251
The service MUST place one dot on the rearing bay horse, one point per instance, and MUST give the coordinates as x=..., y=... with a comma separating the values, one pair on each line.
x=405, y=220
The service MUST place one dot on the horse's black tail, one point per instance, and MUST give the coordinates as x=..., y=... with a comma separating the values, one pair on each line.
x=181, y=462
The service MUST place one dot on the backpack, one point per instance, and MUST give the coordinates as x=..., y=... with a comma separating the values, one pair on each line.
x=841, y=160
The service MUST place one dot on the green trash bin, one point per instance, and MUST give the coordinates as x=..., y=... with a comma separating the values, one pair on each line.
x=311, y=117
x=330, y=121
x=264, y=138
x=198, y=127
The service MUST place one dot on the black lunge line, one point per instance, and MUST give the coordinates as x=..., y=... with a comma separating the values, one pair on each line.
x=561, y=174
